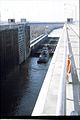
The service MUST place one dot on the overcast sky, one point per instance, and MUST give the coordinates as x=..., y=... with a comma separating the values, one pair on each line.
x=39, y=10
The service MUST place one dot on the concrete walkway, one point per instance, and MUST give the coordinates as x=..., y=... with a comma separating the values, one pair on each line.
x=73, y=89
x=47, y=99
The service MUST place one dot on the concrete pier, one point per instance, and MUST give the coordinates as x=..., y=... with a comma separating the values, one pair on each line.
x=47, y=100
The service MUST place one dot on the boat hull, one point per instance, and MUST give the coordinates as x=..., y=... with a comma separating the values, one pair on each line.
x=44, y=56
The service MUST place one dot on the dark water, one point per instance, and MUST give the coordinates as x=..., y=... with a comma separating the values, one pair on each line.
x=19, y=96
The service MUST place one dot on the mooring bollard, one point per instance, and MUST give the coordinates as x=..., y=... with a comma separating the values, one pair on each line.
x=74, y=113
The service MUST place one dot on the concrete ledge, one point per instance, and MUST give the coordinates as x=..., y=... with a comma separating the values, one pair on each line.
x=38, y=109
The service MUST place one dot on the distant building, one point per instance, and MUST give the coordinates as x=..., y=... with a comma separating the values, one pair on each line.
x=14, y=47
x=69, y=20
x=23, y=19
x=11, y=20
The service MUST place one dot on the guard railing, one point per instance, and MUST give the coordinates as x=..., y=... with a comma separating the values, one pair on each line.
x=61, y=102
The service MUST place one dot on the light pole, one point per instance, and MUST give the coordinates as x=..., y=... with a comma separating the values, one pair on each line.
x=0, y=16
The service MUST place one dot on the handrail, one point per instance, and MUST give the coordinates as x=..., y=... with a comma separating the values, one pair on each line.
x=61, y=103
x=74, y=31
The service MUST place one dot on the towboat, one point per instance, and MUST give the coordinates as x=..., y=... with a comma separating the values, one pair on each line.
x=44, y=56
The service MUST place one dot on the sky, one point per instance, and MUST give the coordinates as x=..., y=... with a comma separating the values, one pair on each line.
x=39, y=10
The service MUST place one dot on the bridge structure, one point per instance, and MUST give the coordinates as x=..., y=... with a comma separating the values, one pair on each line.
x=57, y=97
x=35, y=43
x=49, y=40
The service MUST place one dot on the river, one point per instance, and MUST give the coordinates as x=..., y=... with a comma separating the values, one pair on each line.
x=19, y=97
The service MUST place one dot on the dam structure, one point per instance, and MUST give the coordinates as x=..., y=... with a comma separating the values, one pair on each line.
x=29, y=88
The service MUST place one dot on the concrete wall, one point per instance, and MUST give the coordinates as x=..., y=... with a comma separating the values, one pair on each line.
x=9, y=57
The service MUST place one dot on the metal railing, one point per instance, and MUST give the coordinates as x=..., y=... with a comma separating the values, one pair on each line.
x=61, y=103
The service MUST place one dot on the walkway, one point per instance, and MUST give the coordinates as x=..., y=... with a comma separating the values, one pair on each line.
x=47, y=99
x=55, y=33
x=73, y=89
